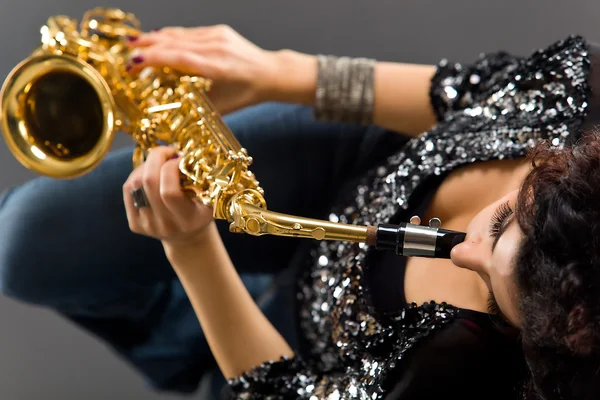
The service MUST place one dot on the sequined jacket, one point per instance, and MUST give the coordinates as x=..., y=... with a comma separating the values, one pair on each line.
x=495, y=108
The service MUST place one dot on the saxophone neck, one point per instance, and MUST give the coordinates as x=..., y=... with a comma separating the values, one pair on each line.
x=246, y=216
x=405, y=239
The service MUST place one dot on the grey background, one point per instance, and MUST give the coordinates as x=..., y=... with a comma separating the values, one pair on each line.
x=42, y=356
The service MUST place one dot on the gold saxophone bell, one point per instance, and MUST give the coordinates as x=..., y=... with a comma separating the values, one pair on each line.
x=63, y=104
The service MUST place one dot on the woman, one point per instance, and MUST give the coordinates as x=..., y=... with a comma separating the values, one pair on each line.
x=371, y=325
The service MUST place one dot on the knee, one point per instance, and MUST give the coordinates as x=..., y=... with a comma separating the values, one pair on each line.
x=21, y=266
x=13, y=249
x=45, y=224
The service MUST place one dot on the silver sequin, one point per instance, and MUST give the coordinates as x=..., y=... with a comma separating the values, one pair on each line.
x=497, y=108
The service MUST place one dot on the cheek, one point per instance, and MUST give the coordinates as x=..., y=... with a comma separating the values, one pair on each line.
x=504, y=256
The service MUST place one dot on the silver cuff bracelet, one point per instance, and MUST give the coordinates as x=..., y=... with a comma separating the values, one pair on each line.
x=345, y=89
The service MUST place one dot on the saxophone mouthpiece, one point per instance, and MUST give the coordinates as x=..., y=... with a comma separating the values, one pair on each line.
x=414, y=240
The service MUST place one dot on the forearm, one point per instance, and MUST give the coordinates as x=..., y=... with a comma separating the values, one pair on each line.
x=402, y=102
x=238, y=333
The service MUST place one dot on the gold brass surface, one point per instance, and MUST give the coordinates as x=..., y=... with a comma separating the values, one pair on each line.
x=62, y=106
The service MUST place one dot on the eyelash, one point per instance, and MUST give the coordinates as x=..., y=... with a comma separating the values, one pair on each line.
x=501, y=214
x=498, y=219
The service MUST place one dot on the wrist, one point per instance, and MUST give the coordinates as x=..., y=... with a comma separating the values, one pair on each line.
x=183, y=247
x=294, y=77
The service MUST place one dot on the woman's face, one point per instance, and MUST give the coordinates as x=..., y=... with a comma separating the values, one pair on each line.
x=490, y=247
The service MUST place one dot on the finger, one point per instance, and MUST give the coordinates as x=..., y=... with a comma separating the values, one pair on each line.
x=151, y=178
x=185, y=61
x=170, y=33
x=173, y=31
x=195, y=32
x=194, y=46
x=172, y=194
x=204, y=34
x=149, y=38
x=134, y=219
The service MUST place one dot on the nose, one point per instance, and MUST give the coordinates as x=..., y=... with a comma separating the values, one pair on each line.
x=469, y=254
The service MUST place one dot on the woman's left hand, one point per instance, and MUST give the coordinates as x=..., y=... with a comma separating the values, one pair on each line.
x=242, y=73
x=171, y=216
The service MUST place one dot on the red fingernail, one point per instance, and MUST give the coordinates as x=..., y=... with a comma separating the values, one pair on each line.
x=128, y=67
x=132, y=38
x=175, y=156
x=137, y=59
x=155, y=29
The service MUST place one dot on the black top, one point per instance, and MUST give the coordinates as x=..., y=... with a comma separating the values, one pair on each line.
x=385, y=272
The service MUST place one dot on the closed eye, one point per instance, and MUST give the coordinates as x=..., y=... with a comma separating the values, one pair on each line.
x=499, y=222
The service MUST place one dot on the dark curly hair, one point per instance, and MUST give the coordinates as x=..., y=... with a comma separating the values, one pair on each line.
x=557, y=270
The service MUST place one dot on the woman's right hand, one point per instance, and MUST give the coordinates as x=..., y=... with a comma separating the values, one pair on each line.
x=243, y=74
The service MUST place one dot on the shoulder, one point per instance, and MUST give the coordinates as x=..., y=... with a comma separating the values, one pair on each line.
x=465, y=359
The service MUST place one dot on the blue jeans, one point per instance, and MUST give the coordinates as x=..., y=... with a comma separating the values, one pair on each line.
x=66, y=244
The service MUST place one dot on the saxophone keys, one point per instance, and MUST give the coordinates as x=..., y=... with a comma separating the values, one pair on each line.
x=435, y=223
x=253, y=226
x=318, y=233
x=415, y=220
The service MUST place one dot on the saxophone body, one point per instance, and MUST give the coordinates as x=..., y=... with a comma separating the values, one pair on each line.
x=62, y=106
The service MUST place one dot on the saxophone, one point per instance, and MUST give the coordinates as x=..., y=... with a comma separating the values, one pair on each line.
x=62, y=106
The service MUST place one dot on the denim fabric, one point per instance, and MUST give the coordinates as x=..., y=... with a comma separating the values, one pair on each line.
x=66, y=244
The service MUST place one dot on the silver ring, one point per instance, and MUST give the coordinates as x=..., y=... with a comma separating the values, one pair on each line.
x=139, y=198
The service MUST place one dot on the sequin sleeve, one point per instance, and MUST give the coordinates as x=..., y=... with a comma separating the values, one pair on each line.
x=293, y=379
x=461, y=361
x=283, y=379
x=456, y=86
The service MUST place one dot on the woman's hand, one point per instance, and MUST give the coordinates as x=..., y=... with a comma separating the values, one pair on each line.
x=242, y=73
x=171, y=216
x=239, y=334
